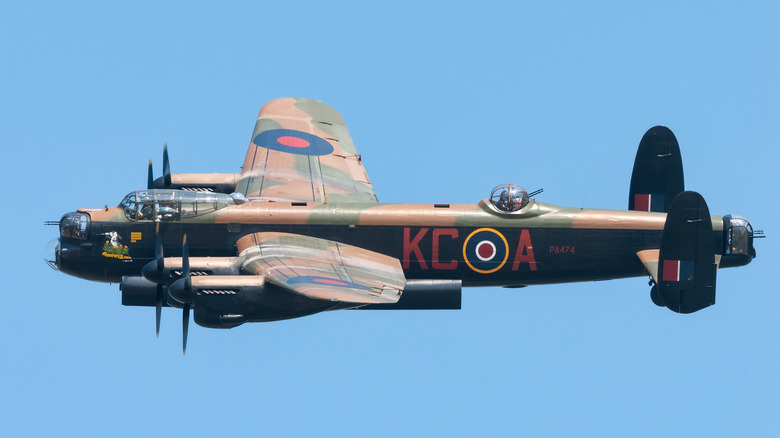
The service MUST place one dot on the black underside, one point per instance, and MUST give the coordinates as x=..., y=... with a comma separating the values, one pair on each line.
x=522, y=257
x=529, y=256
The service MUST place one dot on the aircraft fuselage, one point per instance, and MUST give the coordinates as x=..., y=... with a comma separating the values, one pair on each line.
x=477, y=244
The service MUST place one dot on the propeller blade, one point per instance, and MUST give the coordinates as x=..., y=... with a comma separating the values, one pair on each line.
x=181, y=289
x=150, y=181
x=185, y=273
x=185, y=323
x=166, y=166
x=154, y=270
x=158, y=249
x=185, y=263
x=159, y=307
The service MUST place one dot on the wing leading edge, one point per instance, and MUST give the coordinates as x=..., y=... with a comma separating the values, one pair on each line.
x=301, y=150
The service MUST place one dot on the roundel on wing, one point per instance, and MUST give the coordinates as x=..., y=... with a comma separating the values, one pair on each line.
x=293, y=142
x=485, y=250
x=325, y=281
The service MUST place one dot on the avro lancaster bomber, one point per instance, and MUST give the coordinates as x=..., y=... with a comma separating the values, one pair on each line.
x=300, y=231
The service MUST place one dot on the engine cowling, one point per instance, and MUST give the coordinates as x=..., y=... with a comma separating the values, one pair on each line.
x=138, y=291
x=205, y=182
x=426, y=295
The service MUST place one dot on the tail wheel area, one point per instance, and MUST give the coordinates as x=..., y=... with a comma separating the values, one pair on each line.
x=656, y=297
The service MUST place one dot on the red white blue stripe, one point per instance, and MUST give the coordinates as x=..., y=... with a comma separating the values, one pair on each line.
x=677, y=270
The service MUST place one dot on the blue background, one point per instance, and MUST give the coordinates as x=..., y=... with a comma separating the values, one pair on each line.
x=444, y=100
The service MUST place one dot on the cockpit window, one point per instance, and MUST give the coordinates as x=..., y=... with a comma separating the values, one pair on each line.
x=128, y=205
x=509, y=198
x=171, y=205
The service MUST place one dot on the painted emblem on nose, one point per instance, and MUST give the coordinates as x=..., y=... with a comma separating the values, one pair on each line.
x=113, y=247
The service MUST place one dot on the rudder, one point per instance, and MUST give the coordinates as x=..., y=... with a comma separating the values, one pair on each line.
x=686, y=264
x=658, y=173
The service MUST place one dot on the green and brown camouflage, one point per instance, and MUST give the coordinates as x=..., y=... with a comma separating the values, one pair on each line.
x=300, y=230
x=427, y=227
x=276, y=174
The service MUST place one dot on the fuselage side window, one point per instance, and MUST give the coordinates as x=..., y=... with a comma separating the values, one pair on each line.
x=207, y=202
x=167, y=212
x=188, y=206
x=146, y=211
x=167, y=206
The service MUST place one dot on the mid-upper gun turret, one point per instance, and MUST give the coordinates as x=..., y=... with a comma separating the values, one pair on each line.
x=509, y=198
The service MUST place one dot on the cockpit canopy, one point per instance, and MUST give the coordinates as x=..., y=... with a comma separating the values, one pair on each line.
x=509, y=197
x=171, y=205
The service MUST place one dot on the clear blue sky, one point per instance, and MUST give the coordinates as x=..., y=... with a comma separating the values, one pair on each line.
x=444, y=101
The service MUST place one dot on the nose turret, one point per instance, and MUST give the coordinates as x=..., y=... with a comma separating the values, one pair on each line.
x=70, y=253
x=75, y=226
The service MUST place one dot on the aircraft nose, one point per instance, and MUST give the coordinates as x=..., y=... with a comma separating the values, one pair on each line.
x=51, y=253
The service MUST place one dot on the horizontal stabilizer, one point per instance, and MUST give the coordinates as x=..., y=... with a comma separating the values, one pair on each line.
x=658, y=174
x=686, y=265
x=649, y=259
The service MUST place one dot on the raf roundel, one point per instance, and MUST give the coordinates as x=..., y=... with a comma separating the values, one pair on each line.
x=293, y=142
x=485, y=250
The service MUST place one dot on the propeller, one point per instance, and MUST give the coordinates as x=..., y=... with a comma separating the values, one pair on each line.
x=154, y=271
x=181, y=291
x=166, y=178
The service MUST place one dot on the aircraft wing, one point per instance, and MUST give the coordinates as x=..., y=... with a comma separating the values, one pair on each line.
x=301, y=151
x=322, y=269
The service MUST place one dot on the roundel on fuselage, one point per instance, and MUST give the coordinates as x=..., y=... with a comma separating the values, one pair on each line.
x=485, y=250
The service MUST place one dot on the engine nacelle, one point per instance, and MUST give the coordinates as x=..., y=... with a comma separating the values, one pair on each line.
x=426, y=295
x=205, y=182
x=138, y=291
